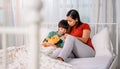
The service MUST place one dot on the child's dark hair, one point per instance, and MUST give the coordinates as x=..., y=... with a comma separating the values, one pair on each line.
x=64, y=24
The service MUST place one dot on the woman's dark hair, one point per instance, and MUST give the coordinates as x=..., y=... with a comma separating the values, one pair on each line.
x=74, y=15
x=64, y=24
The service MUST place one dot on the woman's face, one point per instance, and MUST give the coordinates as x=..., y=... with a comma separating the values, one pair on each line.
x=71, y=21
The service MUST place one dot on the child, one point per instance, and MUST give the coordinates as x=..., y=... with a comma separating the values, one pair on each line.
x=56, y=38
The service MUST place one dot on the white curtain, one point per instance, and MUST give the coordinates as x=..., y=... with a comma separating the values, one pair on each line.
x=6, y=19
x=105, y=11
x=54, y=10
x=17, y=10
x=91, y=11
x=106, y=14
x=10, y=15
x=118, y=21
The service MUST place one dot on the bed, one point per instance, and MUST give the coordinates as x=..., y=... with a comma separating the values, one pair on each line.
x=105, y=58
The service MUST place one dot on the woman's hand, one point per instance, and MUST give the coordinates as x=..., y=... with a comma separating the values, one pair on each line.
x=65, y=35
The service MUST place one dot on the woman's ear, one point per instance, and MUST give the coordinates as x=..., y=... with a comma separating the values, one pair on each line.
x=76, y=19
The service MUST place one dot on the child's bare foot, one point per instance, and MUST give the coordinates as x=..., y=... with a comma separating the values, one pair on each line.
x=59, y=58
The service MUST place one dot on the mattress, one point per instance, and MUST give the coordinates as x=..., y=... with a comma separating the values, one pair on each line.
x=101, y=62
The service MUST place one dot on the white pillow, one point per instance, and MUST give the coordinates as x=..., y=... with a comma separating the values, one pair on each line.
x=102, y=43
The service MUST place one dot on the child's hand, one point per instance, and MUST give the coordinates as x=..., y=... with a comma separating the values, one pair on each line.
x=46, y=44
x=49, y=44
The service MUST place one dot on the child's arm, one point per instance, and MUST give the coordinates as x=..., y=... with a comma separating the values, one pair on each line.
x=46, y=44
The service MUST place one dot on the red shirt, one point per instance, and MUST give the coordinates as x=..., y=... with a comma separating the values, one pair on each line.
x=78, y=32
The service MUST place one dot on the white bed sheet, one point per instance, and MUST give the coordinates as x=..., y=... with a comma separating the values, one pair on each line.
x=101, y=62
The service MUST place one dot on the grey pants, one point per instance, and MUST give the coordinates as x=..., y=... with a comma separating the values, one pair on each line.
x=73, y=46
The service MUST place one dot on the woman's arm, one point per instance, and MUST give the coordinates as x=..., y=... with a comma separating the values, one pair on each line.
x=85, y=36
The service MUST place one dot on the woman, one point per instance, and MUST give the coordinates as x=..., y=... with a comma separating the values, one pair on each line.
x=78, y=40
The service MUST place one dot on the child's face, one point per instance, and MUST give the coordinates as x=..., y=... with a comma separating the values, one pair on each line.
x=61, y=30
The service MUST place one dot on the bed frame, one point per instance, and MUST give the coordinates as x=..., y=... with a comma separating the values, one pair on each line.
x=114, y=64
x=32, y=21
x=32, y=32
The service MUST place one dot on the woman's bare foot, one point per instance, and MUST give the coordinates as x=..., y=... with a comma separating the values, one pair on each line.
x=59, y=58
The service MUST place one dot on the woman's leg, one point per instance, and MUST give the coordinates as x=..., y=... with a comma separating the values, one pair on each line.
x=74, y=45
x=55, y=53
x=82, y=50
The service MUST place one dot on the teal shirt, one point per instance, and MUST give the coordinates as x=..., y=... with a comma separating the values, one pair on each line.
x=52, y=33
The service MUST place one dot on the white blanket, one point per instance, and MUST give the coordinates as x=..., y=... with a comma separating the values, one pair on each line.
x=18, y=59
